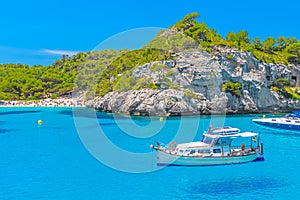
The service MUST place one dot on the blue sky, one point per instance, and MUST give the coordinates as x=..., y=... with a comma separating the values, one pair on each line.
x=38, y=32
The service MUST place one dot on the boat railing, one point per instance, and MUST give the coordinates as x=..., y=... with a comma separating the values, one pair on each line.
x=243, y=150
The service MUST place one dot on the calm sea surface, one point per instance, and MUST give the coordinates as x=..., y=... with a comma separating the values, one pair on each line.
x=70, y=157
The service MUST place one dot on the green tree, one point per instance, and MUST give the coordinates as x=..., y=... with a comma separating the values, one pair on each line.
x=294, y=51
x=242, y=36
x=288, y=41
x=257, y=44
x=280, y=43
x=187, y=21
x=268, y=44
x=231, y=36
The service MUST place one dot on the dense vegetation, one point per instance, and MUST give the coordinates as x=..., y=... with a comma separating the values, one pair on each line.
x=283, y=50
x=21, y=82
x=99, y=72
x=96, y=73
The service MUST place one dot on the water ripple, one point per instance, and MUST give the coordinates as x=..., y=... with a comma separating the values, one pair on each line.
x=18, y=112
x=86, y=114
x=4, y=131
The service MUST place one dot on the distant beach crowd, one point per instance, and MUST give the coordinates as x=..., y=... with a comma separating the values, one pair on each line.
x=61, y=102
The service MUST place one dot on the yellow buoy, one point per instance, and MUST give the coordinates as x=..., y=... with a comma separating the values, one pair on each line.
x=161, y=119
x=264, y=116
x=40, y=122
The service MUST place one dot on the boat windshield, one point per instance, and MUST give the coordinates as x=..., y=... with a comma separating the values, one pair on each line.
x=207, y=140
x=296, y=113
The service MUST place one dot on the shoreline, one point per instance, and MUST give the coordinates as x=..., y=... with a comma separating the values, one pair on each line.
x=68, y=102
x=61, y=102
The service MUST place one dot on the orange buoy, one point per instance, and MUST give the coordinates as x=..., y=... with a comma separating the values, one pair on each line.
x=172, y=146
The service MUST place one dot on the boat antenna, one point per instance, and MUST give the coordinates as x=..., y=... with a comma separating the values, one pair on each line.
x=210, y=126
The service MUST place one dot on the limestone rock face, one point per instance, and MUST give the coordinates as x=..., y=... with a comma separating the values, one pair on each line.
x=192, y=82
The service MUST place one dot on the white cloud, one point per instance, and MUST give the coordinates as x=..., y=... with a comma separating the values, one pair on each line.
x=59, y=52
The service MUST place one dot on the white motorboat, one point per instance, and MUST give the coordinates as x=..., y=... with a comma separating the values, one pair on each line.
x=288, y=122
x=216, y=148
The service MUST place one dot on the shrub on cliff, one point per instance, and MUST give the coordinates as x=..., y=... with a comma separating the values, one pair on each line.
x=281, y=83
x=233, y=88
x=124, y=65
x=190, y=94
x=282, y=86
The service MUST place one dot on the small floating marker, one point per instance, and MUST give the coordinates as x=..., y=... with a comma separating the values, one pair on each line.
x=40, y=122
x=161, y=119
x=264, y=116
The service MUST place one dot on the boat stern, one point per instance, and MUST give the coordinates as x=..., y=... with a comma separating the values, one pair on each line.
x=259, y=153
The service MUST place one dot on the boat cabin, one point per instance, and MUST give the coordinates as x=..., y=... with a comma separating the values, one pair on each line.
x=220, y=142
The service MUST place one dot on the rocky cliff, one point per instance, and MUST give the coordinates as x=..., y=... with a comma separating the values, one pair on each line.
x=192, y=83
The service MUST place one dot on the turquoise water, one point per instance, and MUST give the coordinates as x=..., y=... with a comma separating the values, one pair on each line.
x=50, y=161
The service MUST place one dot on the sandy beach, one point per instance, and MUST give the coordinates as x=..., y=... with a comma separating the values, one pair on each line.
x=61, y=102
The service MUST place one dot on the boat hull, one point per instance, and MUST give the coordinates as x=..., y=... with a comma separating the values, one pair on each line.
x=278, y=124
x=165, y=158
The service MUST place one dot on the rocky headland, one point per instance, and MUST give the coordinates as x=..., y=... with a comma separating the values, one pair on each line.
x=192, y=83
